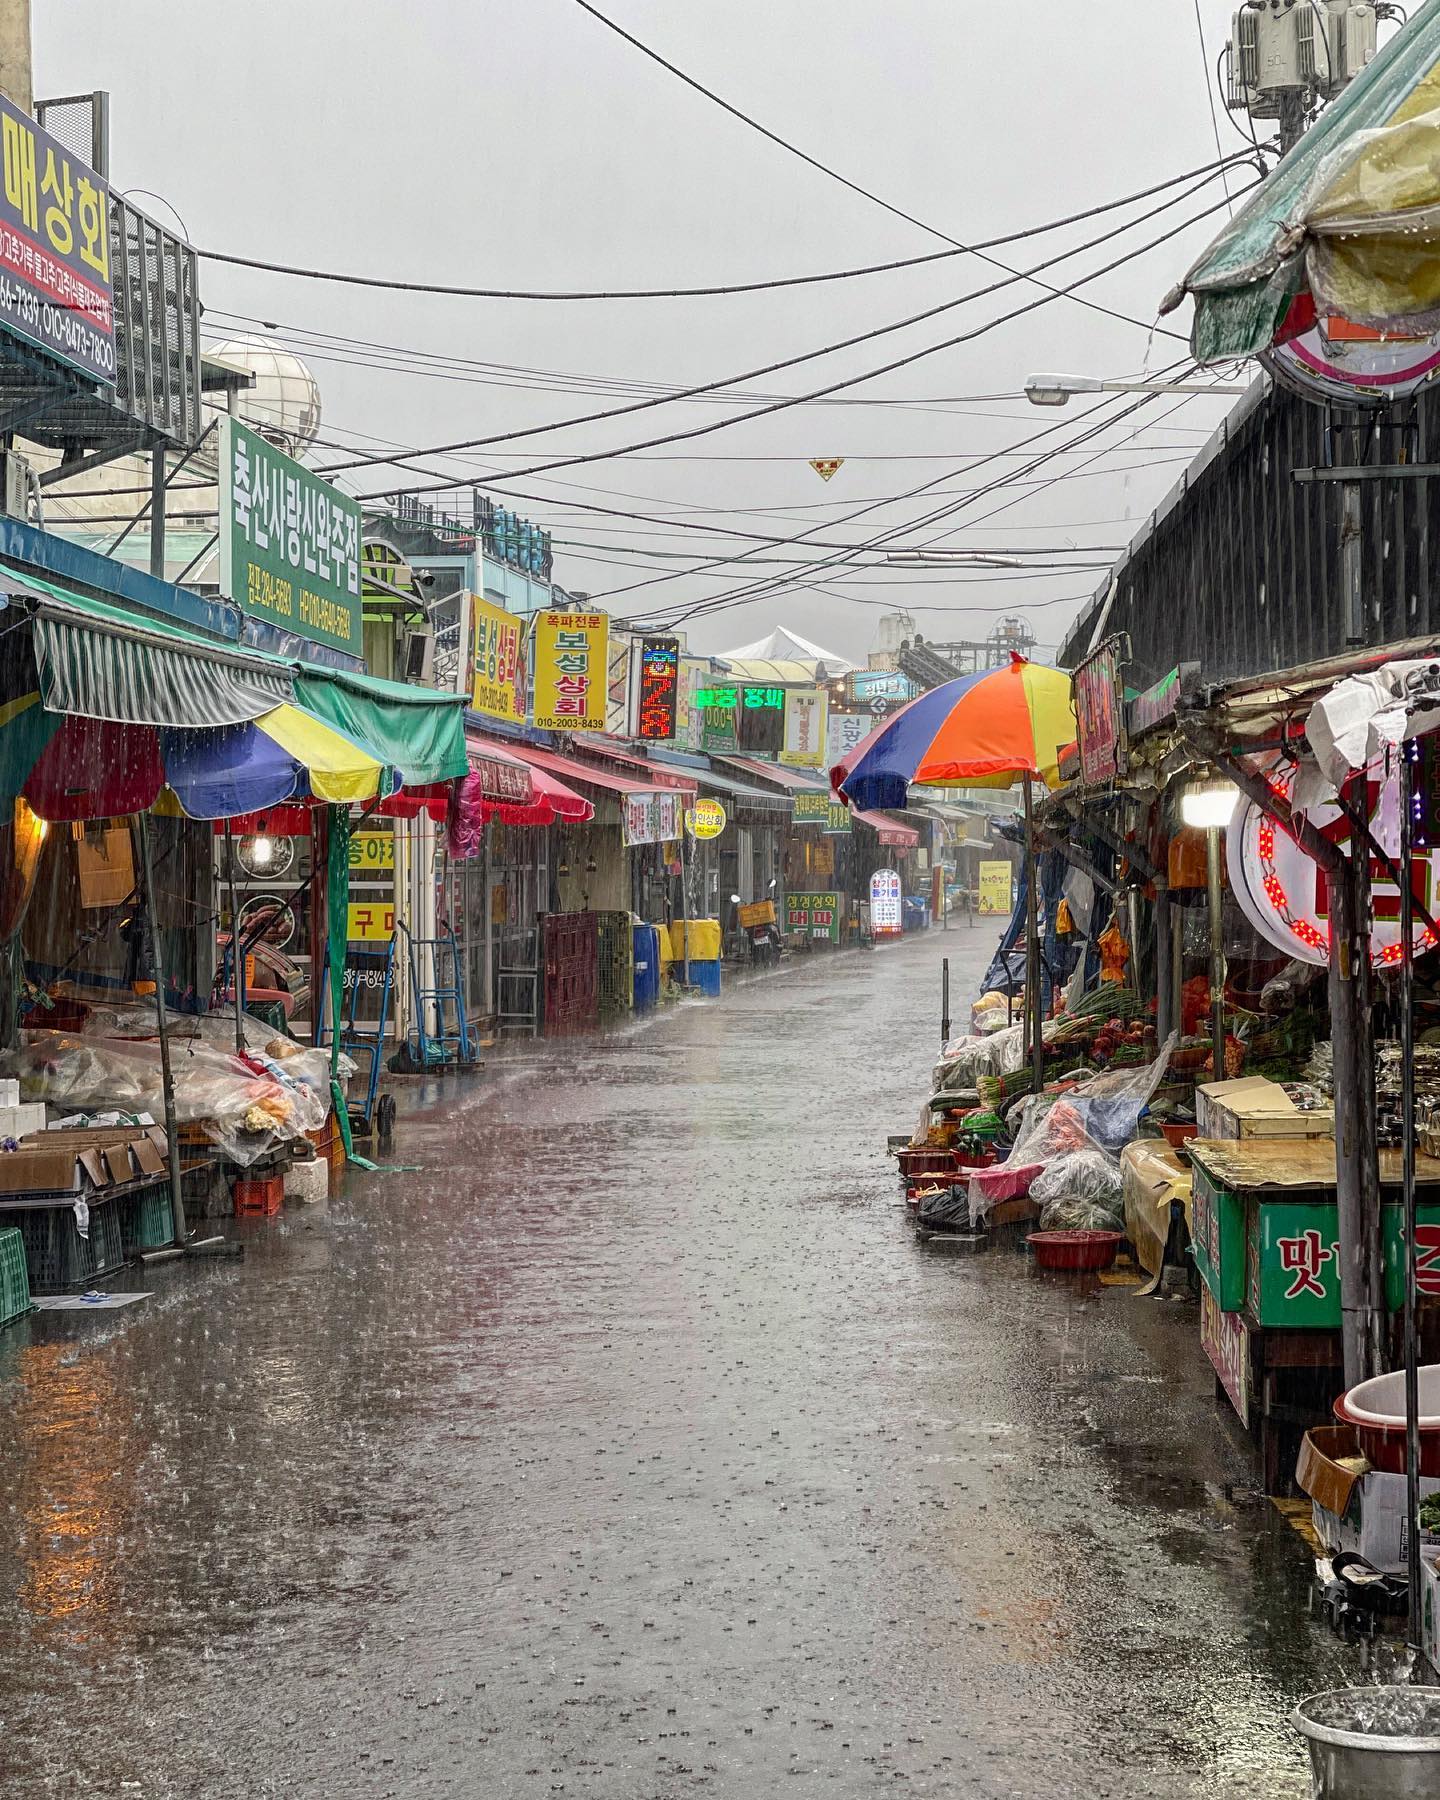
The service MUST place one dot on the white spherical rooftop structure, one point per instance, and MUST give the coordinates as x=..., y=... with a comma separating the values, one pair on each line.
x=284, y=404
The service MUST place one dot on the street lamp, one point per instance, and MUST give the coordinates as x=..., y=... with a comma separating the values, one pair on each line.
x=1208, y=805
x=1057, y=390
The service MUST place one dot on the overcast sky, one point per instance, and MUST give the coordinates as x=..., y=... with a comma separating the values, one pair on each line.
x=518, y=143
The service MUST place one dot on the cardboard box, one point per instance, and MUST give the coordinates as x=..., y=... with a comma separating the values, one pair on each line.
x=1359, y=1510
x=105, y=864
x=1253, y=1107
x=83, y=1162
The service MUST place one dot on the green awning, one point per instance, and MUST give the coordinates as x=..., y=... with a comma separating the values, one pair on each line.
x=1350, y=213
x=416, y=730
x=102, y=662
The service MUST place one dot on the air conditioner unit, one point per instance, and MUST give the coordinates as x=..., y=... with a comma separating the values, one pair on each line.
x=19, y=484
x=417, y=657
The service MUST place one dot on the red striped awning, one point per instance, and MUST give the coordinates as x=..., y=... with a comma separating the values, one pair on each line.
x=889, y=831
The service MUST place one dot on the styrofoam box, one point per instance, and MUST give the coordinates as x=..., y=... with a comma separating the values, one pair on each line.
x=9, y=1092
x=1374, y=1522
x=16, y=1121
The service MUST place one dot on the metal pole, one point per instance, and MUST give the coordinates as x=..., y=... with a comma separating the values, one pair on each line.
x=157, y=514
x=1164, y=983
x=237, y=955
x=1034, y=1006
x=944, y=1000
x=1352, y=544
x=1215, y=896
x=167, y=1079
x=684, y=900
x=1407, y=1140
x=1354, y=1138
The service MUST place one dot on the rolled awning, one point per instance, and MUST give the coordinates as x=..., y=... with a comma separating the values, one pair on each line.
x=99, y=662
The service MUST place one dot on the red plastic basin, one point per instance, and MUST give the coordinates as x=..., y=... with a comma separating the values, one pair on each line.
x=1376, y=1411
x=1075, y=1249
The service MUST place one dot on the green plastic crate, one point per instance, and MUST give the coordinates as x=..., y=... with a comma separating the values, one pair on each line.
x=15, y=1301
x=146, y=1221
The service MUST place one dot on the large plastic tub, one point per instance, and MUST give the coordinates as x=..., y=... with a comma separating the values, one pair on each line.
x=647, y=967
x=1376, y=1409
x=1372, y=1743
x=706, y=976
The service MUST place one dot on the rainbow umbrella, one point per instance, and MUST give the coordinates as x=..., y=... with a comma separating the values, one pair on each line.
x=981, y=730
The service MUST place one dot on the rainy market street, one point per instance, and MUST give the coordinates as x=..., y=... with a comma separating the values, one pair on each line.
x=633, y=1447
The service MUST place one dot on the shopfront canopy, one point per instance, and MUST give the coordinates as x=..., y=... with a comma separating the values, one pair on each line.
x=890, y=832
x=1347, y=223
x=567, y=769
x=416, y=730
x=99, y=662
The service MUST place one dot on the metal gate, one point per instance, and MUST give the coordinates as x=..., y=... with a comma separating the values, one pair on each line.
x=572, y=957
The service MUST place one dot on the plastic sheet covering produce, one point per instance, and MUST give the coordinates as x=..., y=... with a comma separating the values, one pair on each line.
x=1153, y=1177
x=245, y=1105
x=1080, y=1192
x=964, y=1060
x=1099, y=1118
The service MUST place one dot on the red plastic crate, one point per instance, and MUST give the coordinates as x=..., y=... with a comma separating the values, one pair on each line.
x=259, y=1196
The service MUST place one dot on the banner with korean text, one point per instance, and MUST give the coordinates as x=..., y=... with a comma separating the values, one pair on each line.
x=572, y=662
x=804, y=741
x=497, y=664
x=289, y=542
x=651, y=818
x=55, y=286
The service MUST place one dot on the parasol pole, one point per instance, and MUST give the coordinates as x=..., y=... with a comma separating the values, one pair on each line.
x=1034, y=1009
x=162, y=1026
x=237, y=959
x=1407, y=1140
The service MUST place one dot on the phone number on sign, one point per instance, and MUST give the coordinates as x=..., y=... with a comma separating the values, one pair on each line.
x=57, y=326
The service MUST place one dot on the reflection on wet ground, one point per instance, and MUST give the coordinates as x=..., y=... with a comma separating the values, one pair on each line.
x=631, y=1449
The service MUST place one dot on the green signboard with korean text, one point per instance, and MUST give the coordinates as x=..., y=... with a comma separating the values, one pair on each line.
x=1278, y=1259
x=817, y=915
x=811, y=809
x=289, y=542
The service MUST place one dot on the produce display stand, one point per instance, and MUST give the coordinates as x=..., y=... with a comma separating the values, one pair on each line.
x=1266, y=1246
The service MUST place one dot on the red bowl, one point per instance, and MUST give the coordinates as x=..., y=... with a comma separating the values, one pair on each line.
x=1375, y=1411
x=1178, y=1135
x=1075, y=1249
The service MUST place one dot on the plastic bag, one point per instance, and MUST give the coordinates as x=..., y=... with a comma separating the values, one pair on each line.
x=948, y=1209
x=1098, y=1119
x=244, y=1105
x=1081, y=1192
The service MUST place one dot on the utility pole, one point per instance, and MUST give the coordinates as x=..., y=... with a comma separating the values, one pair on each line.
x=17, y=79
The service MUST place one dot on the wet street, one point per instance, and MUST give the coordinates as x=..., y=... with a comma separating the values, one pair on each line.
x=631, y=1448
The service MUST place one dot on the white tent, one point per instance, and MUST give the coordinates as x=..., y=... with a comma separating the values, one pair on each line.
x=784, y=648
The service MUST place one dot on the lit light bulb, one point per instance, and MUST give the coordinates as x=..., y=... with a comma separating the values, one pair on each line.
x=262, y=852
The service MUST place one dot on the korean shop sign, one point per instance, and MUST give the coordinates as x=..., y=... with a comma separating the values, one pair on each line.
x=55, y=288
x=1292, y=1260
x=716, y=706
x=289, y=542
x=572, y=670
x=650, y=818
x=817, y=915
x=760, y=720
x=372, y=853
x=804, y=741
x=811, y=809
x=369, y=921
x=658, y=703
x=1100, y=714
x=497, y=662
x=706, y=819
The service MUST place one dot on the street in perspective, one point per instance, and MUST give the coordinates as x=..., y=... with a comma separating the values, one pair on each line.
x=719, y=1007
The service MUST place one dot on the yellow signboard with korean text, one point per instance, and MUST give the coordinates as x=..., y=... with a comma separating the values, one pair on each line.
x=805, y=718
x=372, y=852
x=572, y=652
x=995, y=885
x=370, y=921
x=497, y=662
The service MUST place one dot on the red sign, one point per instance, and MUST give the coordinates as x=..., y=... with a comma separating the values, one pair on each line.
x=1305, y=1258
x=659, y=688
x=1099, y=716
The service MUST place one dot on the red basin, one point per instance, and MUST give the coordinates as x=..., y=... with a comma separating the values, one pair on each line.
x=1376, y=1411
x=1075, y=1249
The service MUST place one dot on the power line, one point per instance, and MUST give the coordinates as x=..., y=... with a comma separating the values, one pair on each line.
x=393, y=285
x=844, y=180
x=791, y=362
x=966, y=337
